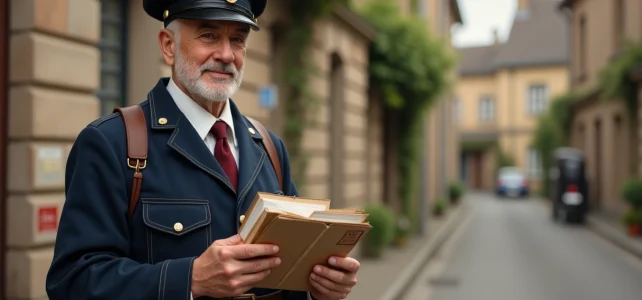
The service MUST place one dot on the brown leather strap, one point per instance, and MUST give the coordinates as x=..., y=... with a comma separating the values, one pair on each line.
x=271, y=150
x=136, y=130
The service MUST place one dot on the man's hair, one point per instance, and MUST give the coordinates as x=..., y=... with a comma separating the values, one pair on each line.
x=174, y=27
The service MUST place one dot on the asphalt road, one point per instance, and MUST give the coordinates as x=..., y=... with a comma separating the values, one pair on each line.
x=510, y=249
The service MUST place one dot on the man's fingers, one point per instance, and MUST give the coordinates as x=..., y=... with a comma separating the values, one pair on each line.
x=258, y=265
x=230, y=241
x=325, y=292
x=340, y=277
x=330, y=285
x=348, y=263
x=248, y=280
x=248, y=251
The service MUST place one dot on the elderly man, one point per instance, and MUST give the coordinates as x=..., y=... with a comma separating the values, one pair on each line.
x=172, y=233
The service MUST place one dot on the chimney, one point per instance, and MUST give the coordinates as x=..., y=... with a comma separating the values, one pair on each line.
x=523, y=5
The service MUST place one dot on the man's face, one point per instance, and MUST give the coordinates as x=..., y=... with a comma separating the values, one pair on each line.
x=209, y=56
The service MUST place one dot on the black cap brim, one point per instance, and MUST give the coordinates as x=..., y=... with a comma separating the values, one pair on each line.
x=217, y=14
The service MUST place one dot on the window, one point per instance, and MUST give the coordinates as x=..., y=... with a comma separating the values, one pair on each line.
x=582, y=47
x=486, y=109
x=619, y=24
x=421, y=7
x=536, y=99
x=456, y=110
x=113, y=53
x=533, y=163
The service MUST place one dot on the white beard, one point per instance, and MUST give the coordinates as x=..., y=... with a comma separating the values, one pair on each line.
x=188, y=74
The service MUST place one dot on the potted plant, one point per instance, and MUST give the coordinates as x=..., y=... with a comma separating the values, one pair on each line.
x=632, y=193
x=456, y=190
x=382, y=232
x=403, y=231
x=439, y=207
x=633, y=221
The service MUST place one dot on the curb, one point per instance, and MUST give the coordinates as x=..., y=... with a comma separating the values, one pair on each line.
x=405, y=279
x=613, y=235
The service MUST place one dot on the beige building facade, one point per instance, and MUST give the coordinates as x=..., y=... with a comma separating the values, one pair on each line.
x=601, y=128
x=504, y=88
x=68, y=62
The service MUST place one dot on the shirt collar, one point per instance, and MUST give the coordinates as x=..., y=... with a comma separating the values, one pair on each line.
x=200, y=118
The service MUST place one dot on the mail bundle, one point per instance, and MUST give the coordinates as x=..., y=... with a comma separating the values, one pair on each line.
x=307, y=232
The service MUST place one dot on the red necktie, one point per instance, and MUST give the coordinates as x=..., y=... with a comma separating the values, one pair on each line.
x=223, y=153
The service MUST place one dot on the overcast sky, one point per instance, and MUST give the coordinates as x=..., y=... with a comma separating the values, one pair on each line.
x=480, y=18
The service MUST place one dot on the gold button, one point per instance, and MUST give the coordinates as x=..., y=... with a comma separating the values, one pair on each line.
x=242, y=218
x=165, y=14
x=178, y=227
x=162, y=121
x=251, y=130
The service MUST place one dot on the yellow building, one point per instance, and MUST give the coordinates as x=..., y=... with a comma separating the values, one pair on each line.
x=504, y=87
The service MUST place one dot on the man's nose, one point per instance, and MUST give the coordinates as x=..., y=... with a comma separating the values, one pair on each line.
x=224, y=52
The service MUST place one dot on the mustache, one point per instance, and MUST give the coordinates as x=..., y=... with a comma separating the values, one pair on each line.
x=219, y=67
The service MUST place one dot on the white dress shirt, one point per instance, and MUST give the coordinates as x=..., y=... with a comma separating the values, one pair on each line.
x=202, y=121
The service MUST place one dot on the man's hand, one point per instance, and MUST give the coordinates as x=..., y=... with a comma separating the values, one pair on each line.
x=332, y=284
x=229, y=268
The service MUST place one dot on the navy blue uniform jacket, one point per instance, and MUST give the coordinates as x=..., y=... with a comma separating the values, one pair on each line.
x=98, y=255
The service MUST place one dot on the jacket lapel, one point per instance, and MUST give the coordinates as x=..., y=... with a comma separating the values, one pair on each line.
x=251, y=155
x=184, y=139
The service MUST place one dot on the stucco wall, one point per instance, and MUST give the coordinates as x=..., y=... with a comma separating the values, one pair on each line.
x=601, y=130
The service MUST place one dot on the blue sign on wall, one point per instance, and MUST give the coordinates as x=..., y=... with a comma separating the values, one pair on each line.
x=268, y=96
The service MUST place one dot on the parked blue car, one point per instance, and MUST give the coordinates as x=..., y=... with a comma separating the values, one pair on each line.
x=511, y=182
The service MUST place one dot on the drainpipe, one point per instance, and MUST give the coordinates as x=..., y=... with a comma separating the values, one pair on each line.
x=444, y=106
x=4, y=99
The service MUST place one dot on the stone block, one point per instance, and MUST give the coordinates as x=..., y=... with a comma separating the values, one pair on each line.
x=248, y=102
x=36, y=166
x=36, y=112
x=84, y=19
x=52, y=61
x=26, y=273
x=33, y=220
x=257, y=72
x=44, y=15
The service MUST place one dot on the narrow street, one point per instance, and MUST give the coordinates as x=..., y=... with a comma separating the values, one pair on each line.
x=509, y=249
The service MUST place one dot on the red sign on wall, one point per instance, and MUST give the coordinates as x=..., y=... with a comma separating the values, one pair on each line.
x=47, y=218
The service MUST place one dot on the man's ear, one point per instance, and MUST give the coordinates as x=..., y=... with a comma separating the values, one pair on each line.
x=167, y=43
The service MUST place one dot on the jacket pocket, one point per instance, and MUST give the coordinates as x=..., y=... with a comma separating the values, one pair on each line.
x=176, y=227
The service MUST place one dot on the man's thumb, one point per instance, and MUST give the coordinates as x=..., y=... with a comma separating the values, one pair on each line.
x=231, y=241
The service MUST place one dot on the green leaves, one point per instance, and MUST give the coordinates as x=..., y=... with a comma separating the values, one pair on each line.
x=406, y=56
x=614, y=80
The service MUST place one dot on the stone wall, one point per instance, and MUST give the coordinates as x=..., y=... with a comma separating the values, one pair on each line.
x=54, y=67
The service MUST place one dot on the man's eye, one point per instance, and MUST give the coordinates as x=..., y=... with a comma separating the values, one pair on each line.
x=207, y=35
x=238, y=40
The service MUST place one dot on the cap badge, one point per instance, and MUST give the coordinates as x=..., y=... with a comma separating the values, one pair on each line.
x=231, y=1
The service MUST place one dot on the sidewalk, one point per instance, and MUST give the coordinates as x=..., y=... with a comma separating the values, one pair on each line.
x=387, y=277
x=610, y=227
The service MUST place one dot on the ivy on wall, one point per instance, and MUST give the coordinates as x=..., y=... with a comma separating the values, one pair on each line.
x=297, y=70
x=614, y=80
x=614, y=83
x=553, y=130
x=410, y=69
